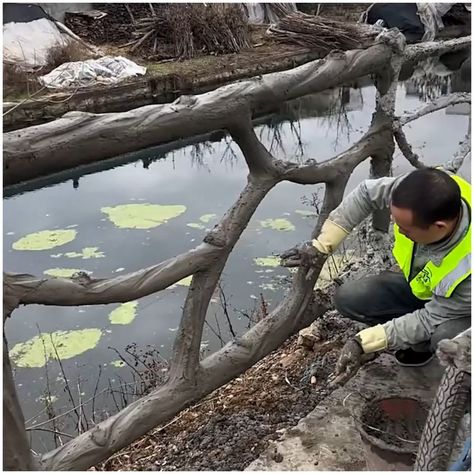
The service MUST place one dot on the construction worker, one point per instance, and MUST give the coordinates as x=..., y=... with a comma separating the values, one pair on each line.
x=410, y=310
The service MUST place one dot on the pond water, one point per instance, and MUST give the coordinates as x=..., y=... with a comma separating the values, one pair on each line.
x=206, y=179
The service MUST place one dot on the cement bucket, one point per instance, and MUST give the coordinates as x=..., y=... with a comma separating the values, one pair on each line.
x=391, y=429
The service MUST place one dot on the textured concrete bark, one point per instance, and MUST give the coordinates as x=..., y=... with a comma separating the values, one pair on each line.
x=386, y=83
x=16, y=449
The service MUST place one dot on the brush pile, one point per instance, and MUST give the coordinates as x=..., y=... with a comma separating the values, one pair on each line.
x=193, y=28
x=321, y=34
x=167, y=30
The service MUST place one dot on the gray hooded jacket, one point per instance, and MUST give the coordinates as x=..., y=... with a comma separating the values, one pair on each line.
x=416, y=327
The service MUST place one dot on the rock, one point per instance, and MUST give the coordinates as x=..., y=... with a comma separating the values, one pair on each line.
x=308, y=336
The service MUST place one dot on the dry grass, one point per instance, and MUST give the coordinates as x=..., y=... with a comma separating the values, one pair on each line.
x=19, y=83
x=65, y=53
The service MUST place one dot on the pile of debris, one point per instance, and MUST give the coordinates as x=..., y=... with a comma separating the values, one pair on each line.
x=163, y=31
x=322, y=34
x=109, y=23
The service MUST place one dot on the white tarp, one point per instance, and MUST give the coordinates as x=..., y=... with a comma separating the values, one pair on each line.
x=431, y=16
x=83, y=73
x=264, y=13
x=28, y=43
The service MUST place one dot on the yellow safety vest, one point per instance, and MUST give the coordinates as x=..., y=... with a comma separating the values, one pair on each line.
x=455, y=267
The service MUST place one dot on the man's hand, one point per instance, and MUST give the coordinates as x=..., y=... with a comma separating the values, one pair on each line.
x=305, y=254
x=350, y=360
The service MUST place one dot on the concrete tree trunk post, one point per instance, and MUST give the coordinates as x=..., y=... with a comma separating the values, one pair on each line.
x=386, y=83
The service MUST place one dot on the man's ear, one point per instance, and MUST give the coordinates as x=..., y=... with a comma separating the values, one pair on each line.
x=441, y=224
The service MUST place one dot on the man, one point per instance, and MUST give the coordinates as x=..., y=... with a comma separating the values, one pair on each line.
x=430, y=298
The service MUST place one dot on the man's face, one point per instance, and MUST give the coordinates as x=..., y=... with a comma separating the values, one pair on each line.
x=405, y=220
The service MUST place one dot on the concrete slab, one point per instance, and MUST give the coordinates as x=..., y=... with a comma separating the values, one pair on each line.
x=327, y=438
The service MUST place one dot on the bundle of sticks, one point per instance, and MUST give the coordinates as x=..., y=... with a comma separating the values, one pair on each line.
x=321, y=34
x=211, y=28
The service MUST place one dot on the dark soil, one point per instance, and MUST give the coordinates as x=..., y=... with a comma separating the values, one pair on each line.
x=232, y=426
x=402, y=433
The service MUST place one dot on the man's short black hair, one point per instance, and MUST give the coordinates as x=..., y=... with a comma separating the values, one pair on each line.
x=431, y=194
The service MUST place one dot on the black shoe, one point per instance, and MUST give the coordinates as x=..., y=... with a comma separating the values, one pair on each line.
x=411, y=358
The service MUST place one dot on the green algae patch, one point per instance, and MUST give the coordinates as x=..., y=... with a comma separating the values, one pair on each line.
x=118, y=363
x=196, y=225
x=271, y=261
x=61, y=272
x=142, y=216
x=86, y=253
x=206, y=218
x=38, y=351
x=185, y=281
x=124, y=314
x=45, y=239
x=281, y=224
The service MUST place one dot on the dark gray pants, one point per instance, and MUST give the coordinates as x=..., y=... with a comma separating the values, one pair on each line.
x=377, y=299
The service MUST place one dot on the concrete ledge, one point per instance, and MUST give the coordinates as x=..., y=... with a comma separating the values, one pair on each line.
x=327, y=438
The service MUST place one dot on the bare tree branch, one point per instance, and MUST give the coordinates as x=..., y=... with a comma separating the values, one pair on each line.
x=437, y=104
x=187, y=345
x=165, y=402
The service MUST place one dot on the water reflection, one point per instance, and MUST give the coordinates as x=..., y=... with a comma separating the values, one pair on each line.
x=434, y=77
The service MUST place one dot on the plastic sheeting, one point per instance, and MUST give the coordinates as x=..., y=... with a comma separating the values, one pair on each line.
x=431, y=16
x=263, y=13
x=400, y=15
x=105, y=70
x=28, y=43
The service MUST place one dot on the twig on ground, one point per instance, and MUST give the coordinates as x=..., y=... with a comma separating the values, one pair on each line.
x=290, y=384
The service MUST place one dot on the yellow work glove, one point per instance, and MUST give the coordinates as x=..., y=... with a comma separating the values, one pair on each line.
x=372, y=339
x=330, y=237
